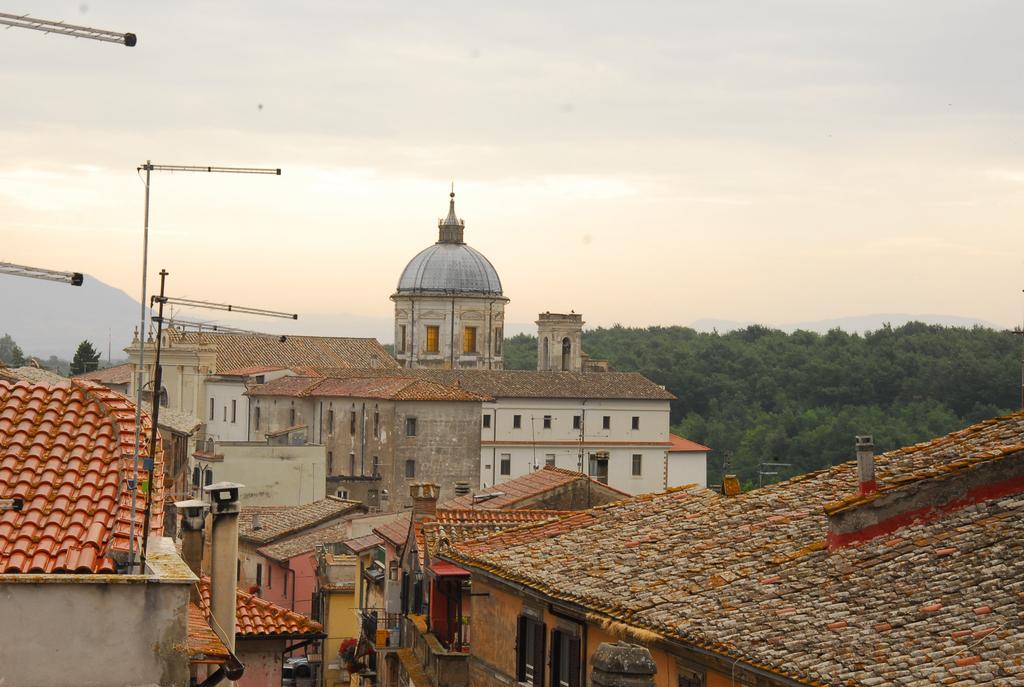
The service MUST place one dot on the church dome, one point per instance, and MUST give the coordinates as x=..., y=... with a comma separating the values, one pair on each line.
x=450, y=266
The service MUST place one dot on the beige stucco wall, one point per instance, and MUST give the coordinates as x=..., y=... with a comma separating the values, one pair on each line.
x=273, y=475
x=91, y=630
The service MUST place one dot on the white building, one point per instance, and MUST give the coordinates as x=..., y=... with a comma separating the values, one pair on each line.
x=227, y=407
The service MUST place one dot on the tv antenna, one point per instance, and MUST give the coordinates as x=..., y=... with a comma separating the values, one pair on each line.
x=772, y=470
x=73, y=278
x=23, y=21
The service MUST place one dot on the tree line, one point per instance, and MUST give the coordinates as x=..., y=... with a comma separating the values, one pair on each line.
x=760, y=395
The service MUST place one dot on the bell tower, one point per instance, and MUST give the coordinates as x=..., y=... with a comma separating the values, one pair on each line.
x=559, y=342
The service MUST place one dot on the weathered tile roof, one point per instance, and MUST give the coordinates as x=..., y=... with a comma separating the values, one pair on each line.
x=249, y=371
x=276, y=522
x=28, y=373
x=306, y=541
x=66, y=449
x=384, y=387
x=204, y=646
x=119, y=374
x=257, y=618
x=364, y=543
x=253, y=350
x=508, y=494
x=750, y=577
x=179, y=420
x=682, y=444
x=531, y=384
x=395, y=532
x=451, y=526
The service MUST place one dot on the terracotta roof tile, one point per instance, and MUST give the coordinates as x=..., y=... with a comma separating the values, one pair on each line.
x=750, y=577
x=364, y=543
x=119, y=374
x=396, y=531
x=508, y=494
x=256, y=617
x=682, y=444
x=66, y=449
x=203, y=643
x=385, y=387
x=305, y=542
x=276, y=522
x=252, y=350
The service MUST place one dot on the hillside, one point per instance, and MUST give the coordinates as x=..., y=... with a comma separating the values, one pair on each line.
x=765, y=395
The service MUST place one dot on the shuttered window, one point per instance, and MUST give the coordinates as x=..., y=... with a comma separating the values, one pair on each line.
x=565, y=659
x=530, y=638
x=432, y=338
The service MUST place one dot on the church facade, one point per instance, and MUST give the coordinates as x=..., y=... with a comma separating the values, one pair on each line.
x=449, y=305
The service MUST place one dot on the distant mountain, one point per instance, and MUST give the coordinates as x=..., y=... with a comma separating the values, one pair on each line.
x=48, y=318
x=857, y=323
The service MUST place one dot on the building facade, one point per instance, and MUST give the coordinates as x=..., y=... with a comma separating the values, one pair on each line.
x=449, y=305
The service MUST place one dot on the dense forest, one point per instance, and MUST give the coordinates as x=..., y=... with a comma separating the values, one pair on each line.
x=759, y=395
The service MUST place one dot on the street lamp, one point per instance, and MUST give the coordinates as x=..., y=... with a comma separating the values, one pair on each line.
x=149, y=167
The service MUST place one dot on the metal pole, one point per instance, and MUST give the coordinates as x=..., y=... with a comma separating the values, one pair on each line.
x=154, y=417
x=134, y=484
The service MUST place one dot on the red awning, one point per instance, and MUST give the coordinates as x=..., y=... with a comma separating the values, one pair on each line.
x=443, y=569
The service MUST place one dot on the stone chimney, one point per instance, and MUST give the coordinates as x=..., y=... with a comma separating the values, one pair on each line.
x=224, y=556
x=193, y=518
x=866, y=483
x=622, y=665
x=731, y=485
x=424, y=500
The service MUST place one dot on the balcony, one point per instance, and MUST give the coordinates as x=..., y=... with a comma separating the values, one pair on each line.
x=380, y=628
x=443, y=668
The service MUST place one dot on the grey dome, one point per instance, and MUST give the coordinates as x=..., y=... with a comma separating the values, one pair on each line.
x=450, y=268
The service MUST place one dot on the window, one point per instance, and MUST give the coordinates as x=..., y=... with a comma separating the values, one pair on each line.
x=469, y=339
x=530, y=651
x=599, y=467
x=330, y=462
x=433, y=337
x=505, y=467
x=487, y=421
x=376, y=466
x=270, y=576
x=225, y=413
x=291, y=417
x=260, y=379
x=549, y=459
x=352, y=464
x=517, y=421
x=256, y=417
x=410, y=469
x=352, y=422
x=497, y=340
x=342, y=494
x=636, y=422
x=330, y=422
x=401, y=338
x=565, y=659
x=606, y=422
x=234, y=411
x=238, y=570
x=211, y=408
x=547, y=422
x=410, y=426
x=376, y=422
x=259, y=574
x=577, y=422
x=566, y=354
x=688, y=677
x=637, y=464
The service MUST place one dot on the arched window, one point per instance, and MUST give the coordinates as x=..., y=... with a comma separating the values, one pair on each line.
x=544, y=355
x=163, y=397
x=566, y=353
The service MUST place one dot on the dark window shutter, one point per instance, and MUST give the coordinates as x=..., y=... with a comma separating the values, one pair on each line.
x=556, y=657
x=575, y=662
x=538, y=656
x=521, y=649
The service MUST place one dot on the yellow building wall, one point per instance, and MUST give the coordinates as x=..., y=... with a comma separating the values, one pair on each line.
x=341, y=624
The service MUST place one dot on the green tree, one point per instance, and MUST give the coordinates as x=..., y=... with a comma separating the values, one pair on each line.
x=10, y=353
x=86, y=359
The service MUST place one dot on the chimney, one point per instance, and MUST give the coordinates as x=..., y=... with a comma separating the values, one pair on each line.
x=193, y=517
x=461, y=488
x=224, y=556
x=424, y=500
x=730, y=485
x=866, y=483
x=622, y=665
x=256, y=524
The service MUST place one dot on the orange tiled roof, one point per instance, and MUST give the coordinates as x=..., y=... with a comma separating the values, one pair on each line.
x=257, y=618
x=360, y=544
x=396, y=531
x=249, y=371
x=451, y=526
x=528, y=486
x=66, y=449
x=750, y=576
x=281, y=521
x=204, y=646
x=385, y=387
x=682, y=444
x=119, y=374
x=236, y=351
x=306, y=541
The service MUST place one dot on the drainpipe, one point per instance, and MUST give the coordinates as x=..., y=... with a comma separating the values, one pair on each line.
x=453, y=335
x=193, y=517
x=224, y=557
x=362, y=444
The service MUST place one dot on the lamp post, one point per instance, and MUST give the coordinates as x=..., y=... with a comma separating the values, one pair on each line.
x=149, y=167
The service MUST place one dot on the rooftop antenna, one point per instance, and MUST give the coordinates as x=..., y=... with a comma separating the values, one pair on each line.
x=149, y=168
x=23, y=21
x=73, y=278
x=762, y=473
x=160, y=301
x=1019, y=331
x=172, y=321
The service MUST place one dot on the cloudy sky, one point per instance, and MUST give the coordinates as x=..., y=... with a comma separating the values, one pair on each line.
x=640, y=162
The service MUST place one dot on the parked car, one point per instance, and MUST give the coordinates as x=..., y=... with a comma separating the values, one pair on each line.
x=296, y=672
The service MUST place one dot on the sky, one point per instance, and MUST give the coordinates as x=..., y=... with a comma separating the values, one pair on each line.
x=639, y=162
